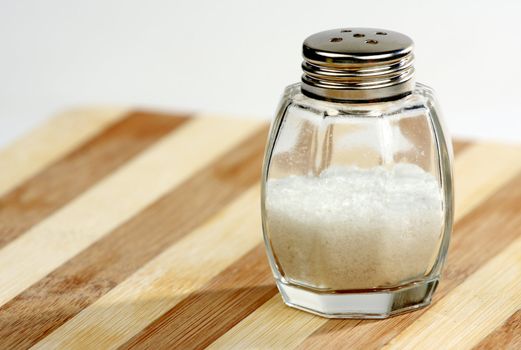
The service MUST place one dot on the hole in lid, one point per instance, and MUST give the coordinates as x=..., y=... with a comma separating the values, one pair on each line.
x=381, y=33
x=358, y=35
x=371, y=41
x=335, y=40
x=346, y=31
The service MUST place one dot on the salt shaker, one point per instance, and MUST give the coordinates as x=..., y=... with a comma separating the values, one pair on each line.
x=357, y=193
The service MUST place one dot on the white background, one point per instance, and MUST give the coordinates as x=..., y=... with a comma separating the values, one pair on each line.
x=235, y=57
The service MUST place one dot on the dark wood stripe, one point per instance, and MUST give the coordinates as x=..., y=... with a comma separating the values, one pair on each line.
x=459, y=146
x=466, y=255
x=506, y=337
x=80, y=281
x=204, y=316
x=58, y=184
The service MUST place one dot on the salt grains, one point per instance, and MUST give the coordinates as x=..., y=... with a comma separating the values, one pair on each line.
x=353, y=228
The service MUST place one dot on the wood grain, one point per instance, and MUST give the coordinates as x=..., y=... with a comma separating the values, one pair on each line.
x=73, y=286
x=476, y=300
x=65, y=179
x=507, y=336
x=113, y=201
x=41, y=147
x=204, y=316
x=480, y=171
x=142, y=230
x=163, y=282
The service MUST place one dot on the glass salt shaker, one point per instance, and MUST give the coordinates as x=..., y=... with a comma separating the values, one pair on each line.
x=357, y=194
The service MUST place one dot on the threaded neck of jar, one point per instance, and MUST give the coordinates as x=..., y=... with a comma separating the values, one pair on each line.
x=357, y=64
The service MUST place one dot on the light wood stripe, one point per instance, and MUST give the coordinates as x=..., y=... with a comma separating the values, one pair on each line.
x=180, y=270
x=51, y=141
x=92, y=273
x=507, y=336
x=345, y=334
x=474, y=160
x=272, y=326
x=114, y=200
x=466, y=255
x=62, y=181
x=487, y=298
x=481, y=170
x=211, y=311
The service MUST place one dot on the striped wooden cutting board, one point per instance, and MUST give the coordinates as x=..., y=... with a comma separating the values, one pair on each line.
x=127, y=229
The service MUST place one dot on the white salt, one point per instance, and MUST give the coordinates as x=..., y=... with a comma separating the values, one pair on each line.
x=353, y=228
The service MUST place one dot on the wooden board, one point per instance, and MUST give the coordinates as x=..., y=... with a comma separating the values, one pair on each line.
x=134, y=229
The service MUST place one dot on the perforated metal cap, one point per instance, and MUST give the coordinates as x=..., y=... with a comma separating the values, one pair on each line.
x=357, y=64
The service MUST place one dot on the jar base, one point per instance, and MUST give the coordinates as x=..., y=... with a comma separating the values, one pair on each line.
x=363, y=305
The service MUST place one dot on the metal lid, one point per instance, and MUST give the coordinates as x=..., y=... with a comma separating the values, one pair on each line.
x=357, y=64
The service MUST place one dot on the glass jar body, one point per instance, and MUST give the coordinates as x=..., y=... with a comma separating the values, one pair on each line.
x=357, y=203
